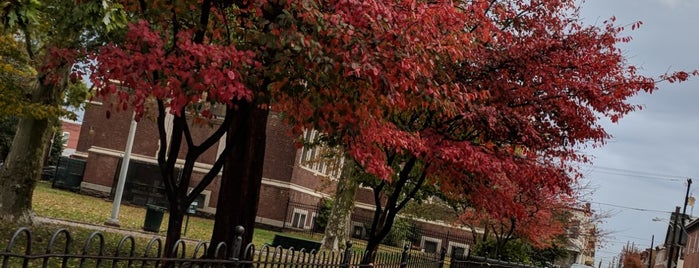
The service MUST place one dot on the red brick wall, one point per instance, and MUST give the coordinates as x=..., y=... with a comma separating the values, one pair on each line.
x=273, y=202
x=111, y=133
x=691, y=258
x=100, y=169
x=74, y=129
x=280, y=150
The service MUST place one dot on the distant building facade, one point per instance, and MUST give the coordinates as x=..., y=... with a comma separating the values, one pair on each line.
x=293, y=185
x=582, y=237
x=70, y=130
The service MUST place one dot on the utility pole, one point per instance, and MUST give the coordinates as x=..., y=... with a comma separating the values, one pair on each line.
x=650, y=256
x=670, y=247
x=686, y=200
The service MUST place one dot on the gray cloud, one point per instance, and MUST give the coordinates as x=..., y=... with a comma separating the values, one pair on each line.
x=657, y=147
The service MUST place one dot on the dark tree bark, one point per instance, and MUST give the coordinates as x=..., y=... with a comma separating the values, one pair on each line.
x=384, y=216
x=242, y=175
x=177, y=187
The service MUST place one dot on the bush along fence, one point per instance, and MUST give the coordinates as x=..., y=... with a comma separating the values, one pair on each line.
x=60, y=251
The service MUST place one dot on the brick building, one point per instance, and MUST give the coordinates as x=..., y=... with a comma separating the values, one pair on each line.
x=70, y=131
x=292, y=186
x=690, y=253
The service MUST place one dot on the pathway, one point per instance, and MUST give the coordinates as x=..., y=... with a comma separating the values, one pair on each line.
x=101, y=228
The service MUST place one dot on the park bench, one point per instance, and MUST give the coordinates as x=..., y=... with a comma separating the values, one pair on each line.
x=297, y=243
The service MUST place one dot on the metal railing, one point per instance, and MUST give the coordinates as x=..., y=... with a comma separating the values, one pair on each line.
x=60, y=252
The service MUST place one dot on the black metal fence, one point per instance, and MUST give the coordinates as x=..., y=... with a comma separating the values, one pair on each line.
x=20, y=252
x=482, y=262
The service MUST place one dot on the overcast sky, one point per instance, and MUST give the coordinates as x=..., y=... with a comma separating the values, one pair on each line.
x=641, y=173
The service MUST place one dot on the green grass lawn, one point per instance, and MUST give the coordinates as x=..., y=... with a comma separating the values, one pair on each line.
x=66, y=205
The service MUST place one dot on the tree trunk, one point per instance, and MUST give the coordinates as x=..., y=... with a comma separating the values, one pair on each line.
x=22, y=170
x=177, y=208
x=384, y=226
x=386, y=216
x=338, y=226
x=174, y=230
x=242, y=176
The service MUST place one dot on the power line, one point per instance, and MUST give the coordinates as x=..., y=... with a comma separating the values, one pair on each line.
x=644, y=173
x=633, y=237
x=638, y=176
x=631, y=208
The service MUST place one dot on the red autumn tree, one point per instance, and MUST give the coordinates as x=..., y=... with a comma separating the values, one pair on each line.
x=173, y=57
x=480, y=98
x=540, y=225
x=485, y=99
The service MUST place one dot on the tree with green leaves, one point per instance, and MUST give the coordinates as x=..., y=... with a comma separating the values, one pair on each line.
x=42, y=43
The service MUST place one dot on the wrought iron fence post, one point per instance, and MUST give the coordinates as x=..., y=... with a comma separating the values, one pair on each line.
x=237, y=242
x=443, y=256
x=404, y=256
x=348, y=255
x=27, y=250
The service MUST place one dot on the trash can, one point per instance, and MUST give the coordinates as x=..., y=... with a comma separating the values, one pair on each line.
x=154, y=216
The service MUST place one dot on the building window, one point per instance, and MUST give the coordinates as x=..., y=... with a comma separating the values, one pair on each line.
x=298, y=220
x=457, y=249
x=66, y=137
x=574, y=231
x=319, y=158
x=358, y=230
x=430, y=245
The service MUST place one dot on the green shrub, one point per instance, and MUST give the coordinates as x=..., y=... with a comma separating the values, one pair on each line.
x=321, y=220
x=403, y=230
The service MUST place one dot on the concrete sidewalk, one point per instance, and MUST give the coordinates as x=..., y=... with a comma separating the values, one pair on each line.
x=101, y=228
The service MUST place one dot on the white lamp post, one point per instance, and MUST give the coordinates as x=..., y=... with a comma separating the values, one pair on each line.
x=114, y=219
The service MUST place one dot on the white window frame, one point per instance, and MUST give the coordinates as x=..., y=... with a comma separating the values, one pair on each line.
x=66, y=137
x=312, y=221
x=423, y=239
x=310, y=160
x=451, y=246
x=302, y=225
x=360, y=225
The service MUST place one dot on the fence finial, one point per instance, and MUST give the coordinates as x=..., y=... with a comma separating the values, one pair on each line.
x=237, y=242
x=404, y=256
